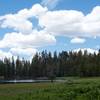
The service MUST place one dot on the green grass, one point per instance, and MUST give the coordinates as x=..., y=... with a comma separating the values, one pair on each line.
x=72, y=89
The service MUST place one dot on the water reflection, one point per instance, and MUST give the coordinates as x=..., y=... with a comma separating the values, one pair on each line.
x=23, y=81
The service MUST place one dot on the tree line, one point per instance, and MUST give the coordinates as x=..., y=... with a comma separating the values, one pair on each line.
x=47, y=64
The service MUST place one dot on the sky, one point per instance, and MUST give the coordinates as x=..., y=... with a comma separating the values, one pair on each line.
x=30, y=26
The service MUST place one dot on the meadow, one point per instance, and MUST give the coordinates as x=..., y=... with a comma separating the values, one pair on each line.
x=70, y=89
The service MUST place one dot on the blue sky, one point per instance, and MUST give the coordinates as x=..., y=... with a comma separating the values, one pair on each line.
x=52, y=25
x=13, y=6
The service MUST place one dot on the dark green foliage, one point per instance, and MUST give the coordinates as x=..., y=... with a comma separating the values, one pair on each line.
x=47, y=64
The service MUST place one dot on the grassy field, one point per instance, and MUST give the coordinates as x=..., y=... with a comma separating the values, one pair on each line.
x=72, y=89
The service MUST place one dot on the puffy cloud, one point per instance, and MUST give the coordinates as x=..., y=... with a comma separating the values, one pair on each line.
x=20, y=40
x=77, y=40
x=23, y=52
x=91, y=22
x=20, y=21
x=89, y=50
x=27, y=53
x=16, y=23
x=72, y=23
x=37, y=10
x=5, y=54
x=63, y=22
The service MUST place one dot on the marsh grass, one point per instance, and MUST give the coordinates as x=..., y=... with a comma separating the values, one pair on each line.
x=79, y=89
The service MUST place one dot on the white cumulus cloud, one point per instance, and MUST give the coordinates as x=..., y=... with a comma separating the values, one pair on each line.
x=20, y=21
x=27, y=53
x=13, y=40
x=72, y=23
x=23, y=52
x=4, y=54
x=77, y=40
x=63, y=22
x=89, y=50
